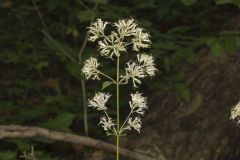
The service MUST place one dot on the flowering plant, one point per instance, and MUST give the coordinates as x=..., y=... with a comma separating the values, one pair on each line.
x=126, y=35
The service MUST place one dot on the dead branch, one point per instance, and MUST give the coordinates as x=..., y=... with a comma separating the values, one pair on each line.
x=18, y=131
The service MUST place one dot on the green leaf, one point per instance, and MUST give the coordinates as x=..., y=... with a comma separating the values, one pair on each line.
x=28, y=114
x=22, y=145
x=61, y=122
x=8, y=155
x=188, y=2
x=216, y=47
x=106, y=84
x=40, y=65
x=230, y=44
x=184, y=92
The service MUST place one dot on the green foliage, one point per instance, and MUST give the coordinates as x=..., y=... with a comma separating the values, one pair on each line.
x=61, y=123
x=8, y=155
x=216, y=47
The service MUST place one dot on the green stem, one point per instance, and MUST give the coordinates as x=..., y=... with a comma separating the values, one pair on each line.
x=108, y=77
x=118, y=139
x=118, y=116
x=122, y=127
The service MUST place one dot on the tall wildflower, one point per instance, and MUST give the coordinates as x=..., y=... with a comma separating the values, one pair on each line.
x=125, y=36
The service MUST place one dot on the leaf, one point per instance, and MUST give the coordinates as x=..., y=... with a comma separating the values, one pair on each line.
x=28, y=114
x=40, y=65
x=106, y=84
x=61, y=122
x=216, y=47
x=230, y=44
x=8, y=155
x=22, y=145
x=184, y=92
x=188, y=2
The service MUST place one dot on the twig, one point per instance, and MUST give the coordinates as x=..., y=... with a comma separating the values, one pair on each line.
x=18, y=131
x=83, y=86
x=58, y=46
x=40, y=16
x=85, y=6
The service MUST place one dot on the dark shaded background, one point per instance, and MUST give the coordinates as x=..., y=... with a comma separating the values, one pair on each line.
x=196, y=45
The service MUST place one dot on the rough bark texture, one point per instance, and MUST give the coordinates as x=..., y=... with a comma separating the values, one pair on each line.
x=200, y=130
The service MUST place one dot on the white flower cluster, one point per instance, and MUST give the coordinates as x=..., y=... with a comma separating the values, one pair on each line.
x=96, y=30
x=127, y=33
x=99, y=101
x=125, y=36
x=235, y=113
x=145, y=66
x=111, y=46
x=135, y=124
x=138, y=104
x=90, y=68
x=107, y=123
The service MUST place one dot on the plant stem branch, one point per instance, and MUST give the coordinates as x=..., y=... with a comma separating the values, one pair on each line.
x=118, y=112
x=85, y=6
x=114, y=129
x=108, y=77
x=126, y=120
